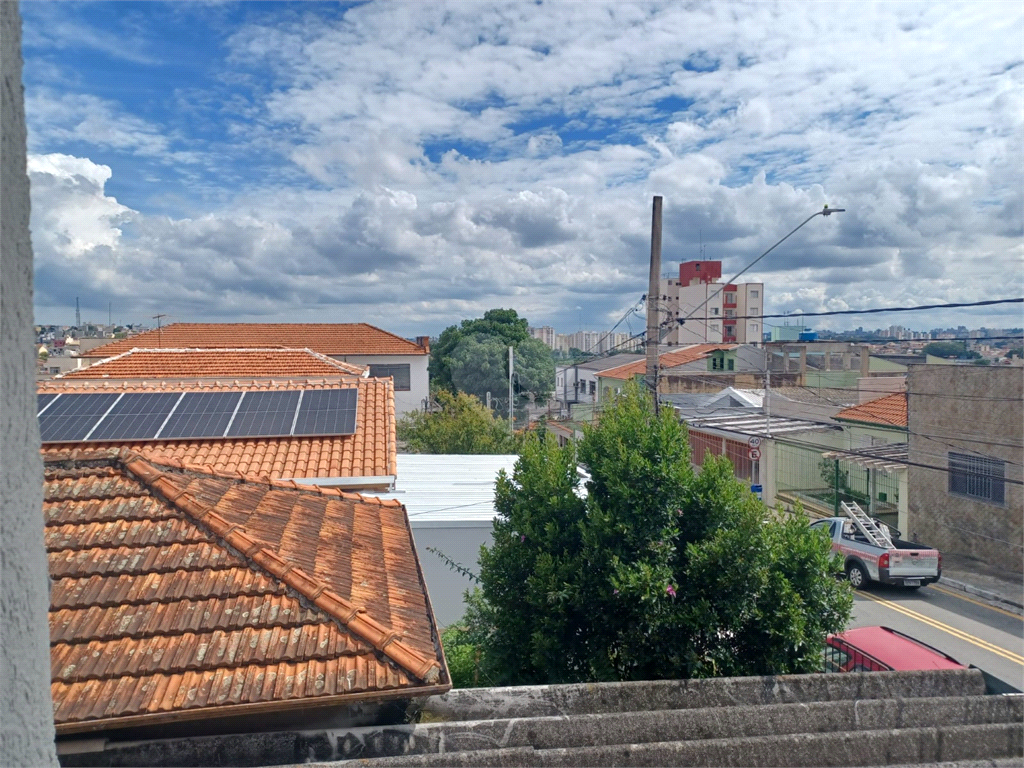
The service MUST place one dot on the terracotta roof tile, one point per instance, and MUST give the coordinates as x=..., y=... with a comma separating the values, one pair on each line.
x=178, y=594
x=325, y=338
x=889, y=411
x=665, y=360
x=139, y=363
x=371, y=452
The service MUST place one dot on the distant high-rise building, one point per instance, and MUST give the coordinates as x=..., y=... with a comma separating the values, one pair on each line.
x=721, y=313
x=545, y=333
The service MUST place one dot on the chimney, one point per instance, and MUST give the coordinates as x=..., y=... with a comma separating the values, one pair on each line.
x=424, y=341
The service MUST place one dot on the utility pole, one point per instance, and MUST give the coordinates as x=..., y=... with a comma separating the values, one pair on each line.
x=110, y=313
x=511, y=363
x=653, y=294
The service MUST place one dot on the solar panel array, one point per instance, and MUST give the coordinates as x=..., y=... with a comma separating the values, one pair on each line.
x=138, y=416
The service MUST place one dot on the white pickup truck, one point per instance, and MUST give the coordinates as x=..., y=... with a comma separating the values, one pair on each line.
x=872, y=554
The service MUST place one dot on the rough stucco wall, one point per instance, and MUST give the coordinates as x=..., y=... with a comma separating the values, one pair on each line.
x=967, y=409
x=27, y=709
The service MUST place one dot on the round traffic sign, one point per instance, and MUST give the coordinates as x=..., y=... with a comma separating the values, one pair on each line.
x=754, y=442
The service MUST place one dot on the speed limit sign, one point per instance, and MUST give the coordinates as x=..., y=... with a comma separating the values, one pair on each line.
x=754, y=442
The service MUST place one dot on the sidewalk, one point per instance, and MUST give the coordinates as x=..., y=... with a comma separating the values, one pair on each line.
x=983, y=580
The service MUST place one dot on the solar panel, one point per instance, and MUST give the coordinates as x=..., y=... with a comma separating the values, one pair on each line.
x=327, y=412
x=73, y=416
x=201, y=414
x=42, y=401
x=137, y=416
x=265, y=414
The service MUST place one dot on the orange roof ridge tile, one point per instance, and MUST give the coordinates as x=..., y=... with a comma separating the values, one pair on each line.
x=350, y=615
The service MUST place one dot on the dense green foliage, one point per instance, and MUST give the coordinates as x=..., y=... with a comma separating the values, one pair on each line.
x=657, y=572
x=462, y=425
x=473, y=358
x=947, y=349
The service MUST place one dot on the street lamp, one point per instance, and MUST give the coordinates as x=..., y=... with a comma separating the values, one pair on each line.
x=826, y=211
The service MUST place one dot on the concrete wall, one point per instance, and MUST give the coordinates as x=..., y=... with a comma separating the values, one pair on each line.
x=419, y=378
x=460, y=541
x=975, y=410
x=27, y=735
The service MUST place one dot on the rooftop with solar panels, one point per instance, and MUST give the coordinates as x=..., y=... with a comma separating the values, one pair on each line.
x=334, y=433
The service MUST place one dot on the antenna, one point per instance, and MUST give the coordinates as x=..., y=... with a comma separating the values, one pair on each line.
x=159, y=329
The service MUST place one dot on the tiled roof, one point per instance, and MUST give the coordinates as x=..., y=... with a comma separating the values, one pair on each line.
x=325, y=338
x=204, y=364
x=665, y=360
x=184, y=596
x=370, y=452
x=889, y=411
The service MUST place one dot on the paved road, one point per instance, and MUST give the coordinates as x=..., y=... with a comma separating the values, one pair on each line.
x=967, y=628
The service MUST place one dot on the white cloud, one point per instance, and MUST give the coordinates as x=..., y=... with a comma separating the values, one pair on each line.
x=457, y=157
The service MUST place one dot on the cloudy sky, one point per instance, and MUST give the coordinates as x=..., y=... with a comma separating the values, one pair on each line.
x=414, y=164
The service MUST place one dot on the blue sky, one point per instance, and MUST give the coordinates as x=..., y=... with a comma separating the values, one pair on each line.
x=413, y=164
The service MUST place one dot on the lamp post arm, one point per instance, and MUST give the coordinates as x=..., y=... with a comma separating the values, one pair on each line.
x=824, y=212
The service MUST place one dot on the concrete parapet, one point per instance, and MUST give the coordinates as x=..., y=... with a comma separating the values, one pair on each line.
x=678, y=725
x=867, y=748
x=593, y=698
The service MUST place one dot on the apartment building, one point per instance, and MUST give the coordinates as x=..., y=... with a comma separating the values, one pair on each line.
x=723, y=314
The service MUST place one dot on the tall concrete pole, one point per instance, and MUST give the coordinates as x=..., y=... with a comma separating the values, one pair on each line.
x=653, y=300
x=511, y=364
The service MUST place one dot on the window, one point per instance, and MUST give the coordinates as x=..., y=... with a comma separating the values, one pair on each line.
x=753, y=294
x=977, y=477
x=714, y=310
x=593, y=388
x=398, y=371
x=717, y=363
x=730, y=313
x=714, y=326
x=730, y=298
x=732, y=364
x=755, y=311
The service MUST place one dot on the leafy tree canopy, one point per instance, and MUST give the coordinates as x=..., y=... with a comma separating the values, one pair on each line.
x=657, y=572
x=473, y=358
x=947, y=349
x=462, y=425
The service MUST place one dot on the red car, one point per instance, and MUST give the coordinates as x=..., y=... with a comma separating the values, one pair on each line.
x=881, y=649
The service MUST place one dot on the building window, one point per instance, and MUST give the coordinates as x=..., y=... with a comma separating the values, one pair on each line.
x=714, y=311
x=755, y=311
x=398, y=371
x=732, y=364
x=753, y=294
x=593, y=388
x=714, y=327
x=977, y=477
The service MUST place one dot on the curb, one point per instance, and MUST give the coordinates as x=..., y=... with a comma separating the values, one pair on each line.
x=972, y=590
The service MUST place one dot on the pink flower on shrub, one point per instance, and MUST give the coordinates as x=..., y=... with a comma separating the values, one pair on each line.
x=671, y=590
x=522, y=538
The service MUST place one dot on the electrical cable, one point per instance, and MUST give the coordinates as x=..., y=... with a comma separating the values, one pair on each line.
x=875, y=310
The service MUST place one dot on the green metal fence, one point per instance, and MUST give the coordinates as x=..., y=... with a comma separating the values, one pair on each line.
x=803, y=473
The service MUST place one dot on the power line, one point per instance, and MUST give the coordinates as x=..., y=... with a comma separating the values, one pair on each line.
x=872, y=311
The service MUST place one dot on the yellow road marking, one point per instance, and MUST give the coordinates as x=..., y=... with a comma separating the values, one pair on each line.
x=961, y=596
x=957, y=633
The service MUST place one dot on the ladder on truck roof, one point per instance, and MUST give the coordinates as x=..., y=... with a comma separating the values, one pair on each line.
x=867, y=526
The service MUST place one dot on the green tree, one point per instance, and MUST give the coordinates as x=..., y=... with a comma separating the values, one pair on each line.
x=656, y=572
x=947, y=349
x=462, y=425
x=473, y=357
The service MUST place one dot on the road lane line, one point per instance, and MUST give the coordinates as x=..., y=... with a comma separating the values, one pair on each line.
x=961, y=596
x=934, y=623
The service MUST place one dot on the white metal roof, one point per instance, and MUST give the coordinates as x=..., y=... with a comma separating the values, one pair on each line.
x=757, y=424
x=448, y=488
x=888, y=458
